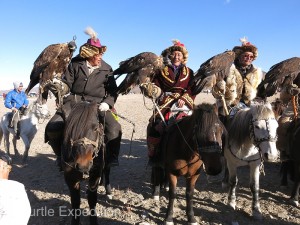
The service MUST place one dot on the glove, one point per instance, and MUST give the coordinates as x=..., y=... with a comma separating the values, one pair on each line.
x=150, y=90
x=219, y=89
x=103, y=107
x=293, y=89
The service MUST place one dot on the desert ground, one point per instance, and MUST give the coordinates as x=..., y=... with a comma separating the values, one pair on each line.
x=132, y=202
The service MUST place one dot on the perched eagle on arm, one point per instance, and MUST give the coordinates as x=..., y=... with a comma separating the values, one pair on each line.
x=214, y=69
x=50, y=66
x=279, y=76
x=139, y=69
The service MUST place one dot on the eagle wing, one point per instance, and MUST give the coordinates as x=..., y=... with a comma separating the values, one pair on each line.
x=139, y=69
x=279, y=75
x=52, y=61
x=214, y=69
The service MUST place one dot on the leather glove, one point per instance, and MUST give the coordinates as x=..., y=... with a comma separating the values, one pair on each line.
x=150, y=90
x=103, y=107
x=219, y=89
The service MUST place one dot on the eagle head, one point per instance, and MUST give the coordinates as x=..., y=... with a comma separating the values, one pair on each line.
x=72, y=46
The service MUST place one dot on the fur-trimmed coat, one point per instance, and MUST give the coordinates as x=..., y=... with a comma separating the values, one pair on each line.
x=174, y=88
x=241, y=87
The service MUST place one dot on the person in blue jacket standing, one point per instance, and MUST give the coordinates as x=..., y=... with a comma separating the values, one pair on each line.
x=17, y=101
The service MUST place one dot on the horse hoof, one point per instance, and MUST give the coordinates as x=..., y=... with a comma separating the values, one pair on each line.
x=193, y=223
x=257, y=215
x=294, y=202
x=109, y=196
x=156, y=197
x=232, y=204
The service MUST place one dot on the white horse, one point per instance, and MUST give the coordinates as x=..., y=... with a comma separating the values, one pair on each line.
x=252, y=140
x=28, y=127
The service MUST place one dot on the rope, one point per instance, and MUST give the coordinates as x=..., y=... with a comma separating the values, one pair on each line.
x=133, y=130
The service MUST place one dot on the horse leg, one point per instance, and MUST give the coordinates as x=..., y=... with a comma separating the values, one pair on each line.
x=232, y=181
x=27, y=146
x=172, y=197
x=284, y=173
x=190, y=187
x=95, y=176
x=156, y=176
x=75, y=202
x=6, y=141
x=295, y=191
x=14, y=140
x=254, y=186
x=107, y=186
x=73, y=182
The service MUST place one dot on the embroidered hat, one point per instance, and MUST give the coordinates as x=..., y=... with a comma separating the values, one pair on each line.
x=177, y=46
x=245, y=47
x=92, y=46
x=17, y=84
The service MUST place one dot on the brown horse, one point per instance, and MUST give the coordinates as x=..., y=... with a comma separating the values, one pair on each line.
x=82, y=153
x=187, y=145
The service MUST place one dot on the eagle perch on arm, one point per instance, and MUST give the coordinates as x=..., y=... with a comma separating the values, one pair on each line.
x=211, y=71
x=139, y=69
x=49, y=68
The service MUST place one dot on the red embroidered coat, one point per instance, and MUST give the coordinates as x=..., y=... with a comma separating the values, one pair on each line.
x=174, y=89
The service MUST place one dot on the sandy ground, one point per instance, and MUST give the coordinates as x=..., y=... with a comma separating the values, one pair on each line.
x=132, y=202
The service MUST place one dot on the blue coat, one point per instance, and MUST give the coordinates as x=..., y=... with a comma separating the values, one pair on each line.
x=15, y=99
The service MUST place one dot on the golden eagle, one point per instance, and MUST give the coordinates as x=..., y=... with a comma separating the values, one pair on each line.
x=214, y=69
x=49, y=67
x=279, y=76
x=139, y=69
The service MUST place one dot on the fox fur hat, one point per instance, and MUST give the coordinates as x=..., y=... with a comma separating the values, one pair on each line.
x=245, y=47
x=177, y=46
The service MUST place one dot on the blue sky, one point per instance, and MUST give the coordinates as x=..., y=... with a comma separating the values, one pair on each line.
x=129, y=27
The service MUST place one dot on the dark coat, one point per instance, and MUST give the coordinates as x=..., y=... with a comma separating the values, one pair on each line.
x=94, y=87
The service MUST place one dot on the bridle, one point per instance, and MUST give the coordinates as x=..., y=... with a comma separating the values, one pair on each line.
x=85, y=142
x=257, y=141
x=216, y=148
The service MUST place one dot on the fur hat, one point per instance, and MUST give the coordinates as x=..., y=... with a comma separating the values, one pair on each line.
x=17, y=84
x=92, y=46
x=246, y=47
x=177, y=46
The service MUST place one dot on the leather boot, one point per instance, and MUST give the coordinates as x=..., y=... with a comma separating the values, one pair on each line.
x=112, y=150
x=153, y=145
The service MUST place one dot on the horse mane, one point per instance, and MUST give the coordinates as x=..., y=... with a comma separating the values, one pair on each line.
x=80, y=121
x=205, y=115
x=239, y=126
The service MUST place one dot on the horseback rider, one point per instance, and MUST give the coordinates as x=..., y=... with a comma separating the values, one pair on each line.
x=87, y=78
x=170, y=89
x=17, y=101
x=285, y=120
x=240, y=87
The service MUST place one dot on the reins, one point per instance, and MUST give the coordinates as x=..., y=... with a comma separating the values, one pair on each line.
x=133, y=130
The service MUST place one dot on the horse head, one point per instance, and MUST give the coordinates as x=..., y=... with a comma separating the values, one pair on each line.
x=210, y=137
x=41, y=110
x=82, y=137
x=263, y=128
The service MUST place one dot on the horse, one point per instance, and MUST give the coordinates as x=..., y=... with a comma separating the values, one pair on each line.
x=33, y=114
x=294, y=161
x=251, y=141
x=83, y=153
x=187, y=145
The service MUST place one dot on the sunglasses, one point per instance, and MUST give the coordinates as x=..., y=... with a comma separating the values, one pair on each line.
x=248, y=56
